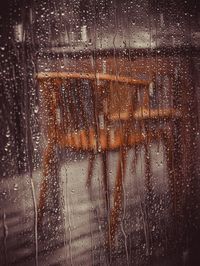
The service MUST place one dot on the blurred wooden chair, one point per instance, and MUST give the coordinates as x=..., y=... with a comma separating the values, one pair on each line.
x=97, y=113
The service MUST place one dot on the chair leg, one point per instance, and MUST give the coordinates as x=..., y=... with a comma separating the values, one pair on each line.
x=114, y=217
x=90, y=170
x=105, y=179
x=48, y=163
x=107, y=193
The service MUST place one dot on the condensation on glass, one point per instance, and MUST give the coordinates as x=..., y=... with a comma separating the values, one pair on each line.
x=99, y=132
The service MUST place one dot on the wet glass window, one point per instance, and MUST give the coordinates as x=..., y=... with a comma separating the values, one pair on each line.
x=99, y=139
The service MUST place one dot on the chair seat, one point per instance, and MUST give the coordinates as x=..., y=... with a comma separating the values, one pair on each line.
x=144, y=113
x=107, y=139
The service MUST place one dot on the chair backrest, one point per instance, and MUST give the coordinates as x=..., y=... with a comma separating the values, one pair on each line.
x=85, y=100
x=76, y=104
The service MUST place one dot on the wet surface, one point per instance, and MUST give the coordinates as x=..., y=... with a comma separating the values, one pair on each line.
x=73, y=231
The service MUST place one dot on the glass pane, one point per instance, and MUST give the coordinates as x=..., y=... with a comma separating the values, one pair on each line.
x=100, y=155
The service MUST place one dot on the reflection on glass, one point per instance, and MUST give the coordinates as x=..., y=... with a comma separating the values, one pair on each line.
x=100, y=132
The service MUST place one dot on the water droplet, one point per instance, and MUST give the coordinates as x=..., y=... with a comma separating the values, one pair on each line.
x=36, y=109
x=16, y=187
